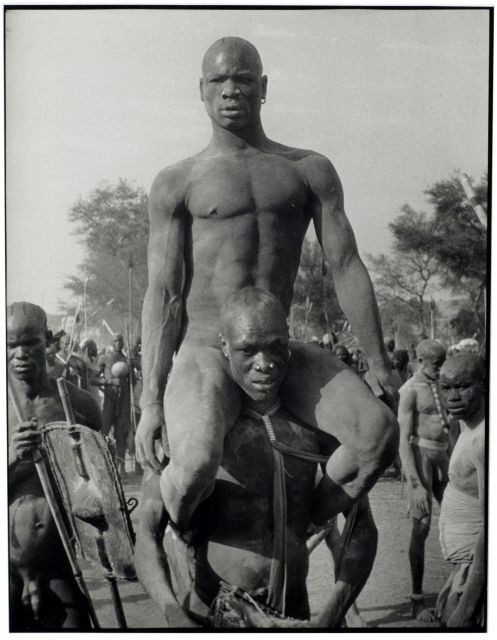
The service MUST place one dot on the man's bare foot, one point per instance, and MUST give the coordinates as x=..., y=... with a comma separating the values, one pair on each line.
x=418, y=609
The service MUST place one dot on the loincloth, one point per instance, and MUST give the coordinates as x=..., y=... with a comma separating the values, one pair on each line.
x=459, y=525
x=432, y=466
x=450, y=595
x=234, y=608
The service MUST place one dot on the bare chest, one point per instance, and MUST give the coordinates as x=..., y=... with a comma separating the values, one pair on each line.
x=229, y=186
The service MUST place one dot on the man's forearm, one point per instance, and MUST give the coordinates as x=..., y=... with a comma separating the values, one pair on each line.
x=357, y=299
x=162, y=318
x=408, y=463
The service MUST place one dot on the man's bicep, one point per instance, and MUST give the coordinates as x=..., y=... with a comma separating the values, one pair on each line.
x=167, y=216
x=332, y=226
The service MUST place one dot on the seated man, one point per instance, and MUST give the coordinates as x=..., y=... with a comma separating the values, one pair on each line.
x=251, y=531
x=43, y=592
x=462, y=516
x=423, y=447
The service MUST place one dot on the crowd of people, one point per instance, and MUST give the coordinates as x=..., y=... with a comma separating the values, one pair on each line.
x=252, y=444
x=112, y=376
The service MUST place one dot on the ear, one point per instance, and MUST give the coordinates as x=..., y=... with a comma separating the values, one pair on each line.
x=224, y=346
x=201, y=88
x=263, y=86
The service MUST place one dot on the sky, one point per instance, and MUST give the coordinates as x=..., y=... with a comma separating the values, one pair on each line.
x=397, y=99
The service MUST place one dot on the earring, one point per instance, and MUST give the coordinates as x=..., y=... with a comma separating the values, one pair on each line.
x=263, y=100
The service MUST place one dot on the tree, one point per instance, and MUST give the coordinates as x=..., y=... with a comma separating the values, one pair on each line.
x=453, y=237
x=445, y=249
x=314, y=282
x=112, y=222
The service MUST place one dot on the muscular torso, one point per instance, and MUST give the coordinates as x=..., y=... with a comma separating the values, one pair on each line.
x=462, y=471
x=426, y=418
x=248, y=221
x=236, y=521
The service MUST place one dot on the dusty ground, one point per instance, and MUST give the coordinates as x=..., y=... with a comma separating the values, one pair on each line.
x=383, y=602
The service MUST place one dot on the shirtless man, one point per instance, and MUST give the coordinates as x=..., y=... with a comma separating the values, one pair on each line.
x=462, y=516
x=235, y=215
x=43, y=592
x=116, y=411
x=423, y=451
x=235, y=526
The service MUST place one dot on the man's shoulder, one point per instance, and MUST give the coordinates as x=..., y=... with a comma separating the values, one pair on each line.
x=177, y=174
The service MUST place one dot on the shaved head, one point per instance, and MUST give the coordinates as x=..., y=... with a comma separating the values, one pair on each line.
x=253, y=302
x=464, y=363
x=26, y=316
x=429, y=349
x=232, y=49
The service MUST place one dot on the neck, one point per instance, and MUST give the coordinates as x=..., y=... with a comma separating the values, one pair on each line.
x=252, y=136
x=478, y=416
x=30, y=390
x=261, y=406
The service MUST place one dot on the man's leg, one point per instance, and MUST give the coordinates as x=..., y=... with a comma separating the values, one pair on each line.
x=420, y=530
x=201, y=404
x=327, y=394
x=353, y=553
x=121, y=430
x=107, y=412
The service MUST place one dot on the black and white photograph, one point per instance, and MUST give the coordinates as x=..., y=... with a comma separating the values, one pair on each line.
x=247, y=317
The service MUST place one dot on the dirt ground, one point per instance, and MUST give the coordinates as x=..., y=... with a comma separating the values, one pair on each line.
x=383, y=602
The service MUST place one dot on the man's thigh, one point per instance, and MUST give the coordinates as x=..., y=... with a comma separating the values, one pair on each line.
x=327, y=394
x=202, y=402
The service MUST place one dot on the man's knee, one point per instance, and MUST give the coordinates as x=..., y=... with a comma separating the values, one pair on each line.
x=421, y=528
x=379, y=441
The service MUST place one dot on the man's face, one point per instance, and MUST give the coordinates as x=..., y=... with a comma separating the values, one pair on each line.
x=257, y=347
x=342, y=354
x=232, y=88
x=431, y=364
x=118, y=344
x=461, y=391
x=64, y=344
x=92, y=350
x=26, y=345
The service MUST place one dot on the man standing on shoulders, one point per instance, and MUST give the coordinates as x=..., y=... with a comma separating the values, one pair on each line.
x=462, y=517
x=424, y=437
x=231, y=216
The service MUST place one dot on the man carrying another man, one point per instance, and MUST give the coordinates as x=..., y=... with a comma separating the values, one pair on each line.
x=251, y=532
x=232, y=216
x=462, y=516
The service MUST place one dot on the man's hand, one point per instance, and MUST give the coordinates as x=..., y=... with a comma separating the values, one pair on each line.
x=384, y=382
x=421, y=501
x=26, y=439
x=31, y=594
x=148, y=430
